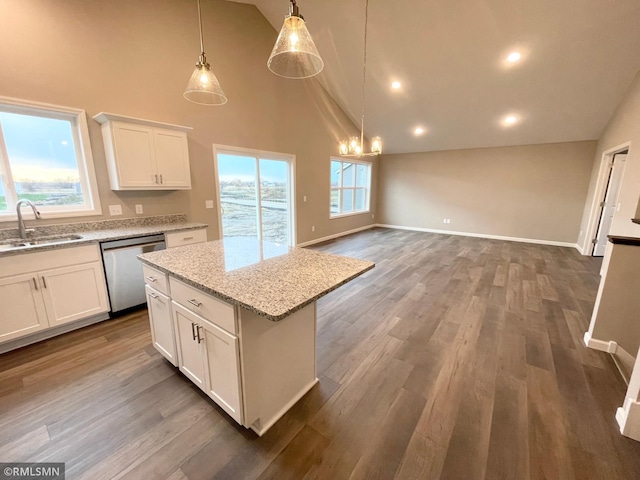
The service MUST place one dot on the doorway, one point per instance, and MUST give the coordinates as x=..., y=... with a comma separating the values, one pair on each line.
x=609, y=202
x=255, y=194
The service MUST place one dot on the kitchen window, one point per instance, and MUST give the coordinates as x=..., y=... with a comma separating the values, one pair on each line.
x=45, y=157
x=350, y=187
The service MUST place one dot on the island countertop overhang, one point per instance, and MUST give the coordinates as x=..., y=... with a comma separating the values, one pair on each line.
x=271, y=280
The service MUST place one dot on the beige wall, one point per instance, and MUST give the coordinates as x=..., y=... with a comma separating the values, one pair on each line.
x=624, y=127
x=135, y=57
x=533, y=191
x=615, y=316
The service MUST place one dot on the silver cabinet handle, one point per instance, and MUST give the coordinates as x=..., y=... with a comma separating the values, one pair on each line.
x=154, y=178
x=198, y=327
x=150, y=278
x=35, y=283
x=153, y=295
x=193, y=330
x=187, y=238
x=194, y=302
x=44, y=282
x=161, y=178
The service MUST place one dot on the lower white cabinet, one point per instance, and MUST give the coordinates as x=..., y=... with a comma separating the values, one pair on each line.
x=23, y=310
x=190, y=348
x=42, y=290
x=161, y=321
x=209, y=357
x=74, y=292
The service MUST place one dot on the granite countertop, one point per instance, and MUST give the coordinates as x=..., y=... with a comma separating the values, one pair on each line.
x=100, y=231
x=269, y=279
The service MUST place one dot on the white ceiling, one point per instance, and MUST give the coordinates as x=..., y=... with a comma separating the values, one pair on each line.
x=579, y=57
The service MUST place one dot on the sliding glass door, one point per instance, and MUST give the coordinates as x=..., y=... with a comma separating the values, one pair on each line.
x=255, y=192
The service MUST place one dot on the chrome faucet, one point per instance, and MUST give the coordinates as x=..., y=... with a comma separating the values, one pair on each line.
x=23, y=231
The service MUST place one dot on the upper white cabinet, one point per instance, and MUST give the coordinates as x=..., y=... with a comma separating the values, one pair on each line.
x=145, y=155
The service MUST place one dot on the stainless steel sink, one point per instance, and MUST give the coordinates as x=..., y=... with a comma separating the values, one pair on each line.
x=16, y=243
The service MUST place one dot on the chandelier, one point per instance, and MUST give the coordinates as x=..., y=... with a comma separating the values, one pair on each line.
x=354, y=147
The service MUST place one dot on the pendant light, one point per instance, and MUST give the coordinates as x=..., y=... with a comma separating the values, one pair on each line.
x=203, y=86
x=354, y=147
x=295, y=55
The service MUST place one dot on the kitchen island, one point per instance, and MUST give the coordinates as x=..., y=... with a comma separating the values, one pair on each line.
x=238, y=317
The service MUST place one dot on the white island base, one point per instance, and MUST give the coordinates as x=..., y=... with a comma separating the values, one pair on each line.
x=242, y=326
x=253, y=368
x=278, y=363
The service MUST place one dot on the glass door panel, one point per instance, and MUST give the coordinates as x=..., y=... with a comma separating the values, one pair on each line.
x=255, y=197
x=274, y=200
x=238, y=202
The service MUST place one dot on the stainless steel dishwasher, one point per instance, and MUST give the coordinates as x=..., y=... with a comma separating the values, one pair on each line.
x=123, y=270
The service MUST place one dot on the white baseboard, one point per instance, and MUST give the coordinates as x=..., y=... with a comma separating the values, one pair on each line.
x=628, y=418
x=337, y=235
x=51, y=332
x=603, y=346
x=482, y=235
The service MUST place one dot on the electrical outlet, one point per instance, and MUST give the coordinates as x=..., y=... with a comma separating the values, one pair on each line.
x=139, y=209
x=373, y=215
x=208, y=203
x=304, y=199
x=115, y=210
x=313, y=228
x=446, y=220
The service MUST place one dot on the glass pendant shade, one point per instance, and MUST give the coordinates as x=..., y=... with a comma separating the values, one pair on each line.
x=295, y=55
x=203, y=87
x=376, y=145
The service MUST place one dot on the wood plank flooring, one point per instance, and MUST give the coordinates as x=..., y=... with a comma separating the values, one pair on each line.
x=455, y=358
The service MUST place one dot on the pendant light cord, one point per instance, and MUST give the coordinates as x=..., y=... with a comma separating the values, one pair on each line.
x=364, y=70
x=200, y=22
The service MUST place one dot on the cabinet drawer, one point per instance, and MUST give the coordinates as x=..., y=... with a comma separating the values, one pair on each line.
x=156, y=279
x=216, y=311
x=178, y=239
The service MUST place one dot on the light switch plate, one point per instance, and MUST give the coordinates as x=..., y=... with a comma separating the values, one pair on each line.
x=208, y=203
x=139, y=208
x=115, y=210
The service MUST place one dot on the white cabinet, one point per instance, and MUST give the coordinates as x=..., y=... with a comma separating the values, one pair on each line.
x=207, y=354
x=222, y=369
x=162, y=335
x=190, y=347
x=179, y=239
x=42, y=290
x=22, y=309
x=145, y=155
x=74, y=292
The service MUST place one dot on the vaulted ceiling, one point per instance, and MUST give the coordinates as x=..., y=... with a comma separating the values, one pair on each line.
x=578, y=57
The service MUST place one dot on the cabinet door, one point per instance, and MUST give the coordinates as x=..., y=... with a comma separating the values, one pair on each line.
x=190, y=349
x=22, y=310
x=134, y=155
x=223, y=369
x=172, y=159
x=159, y=306
x=73, y=293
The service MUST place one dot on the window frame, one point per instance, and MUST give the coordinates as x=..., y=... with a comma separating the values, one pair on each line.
x=84, y=156
x=355, y=188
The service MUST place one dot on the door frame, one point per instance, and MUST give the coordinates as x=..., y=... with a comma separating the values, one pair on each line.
x=601, y=185
x=266, y=155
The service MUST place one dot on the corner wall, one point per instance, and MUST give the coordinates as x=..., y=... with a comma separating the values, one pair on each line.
x=527, y=192
x=134, y=58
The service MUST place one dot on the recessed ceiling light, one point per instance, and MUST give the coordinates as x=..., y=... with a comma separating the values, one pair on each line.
x=418, y=131
x=513, y=57
x=396, y=85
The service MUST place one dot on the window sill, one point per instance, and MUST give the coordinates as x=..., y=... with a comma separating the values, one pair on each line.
x=350, y=214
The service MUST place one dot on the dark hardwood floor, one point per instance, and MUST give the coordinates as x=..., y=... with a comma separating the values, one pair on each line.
x=455, y=358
